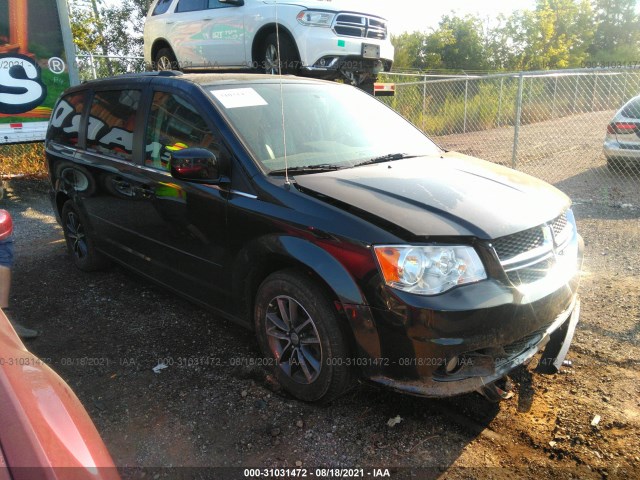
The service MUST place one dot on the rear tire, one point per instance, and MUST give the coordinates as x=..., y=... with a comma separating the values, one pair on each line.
x=300, y=334
x=288, y=61
x=80, y=244
x=165, y=60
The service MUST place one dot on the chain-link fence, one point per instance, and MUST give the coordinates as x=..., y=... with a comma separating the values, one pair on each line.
x=552, y=125
x=23, y=159
x=92, y=66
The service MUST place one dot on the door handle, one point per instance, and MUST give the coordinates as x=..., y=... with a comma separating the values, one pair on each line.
x=68, y=151
x=123, y=187
x=170, y=22
x=145, y=192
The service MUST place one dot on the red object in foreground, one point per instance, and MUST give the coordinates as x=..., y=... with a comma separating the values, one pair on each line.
x=45, y=432
x=6, y=224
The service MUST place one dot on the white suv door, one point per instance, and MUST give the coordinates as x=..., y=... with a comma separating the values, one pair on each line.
x=207, y=34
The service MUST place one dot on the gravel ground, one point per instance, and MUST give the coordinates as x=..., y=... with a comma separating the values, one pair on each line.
x=566, y=152
x=104, y=332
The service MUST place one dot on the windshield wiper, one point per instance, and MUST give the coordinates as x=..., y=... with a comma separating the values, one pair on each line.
x=323, y=167
x=385, y=158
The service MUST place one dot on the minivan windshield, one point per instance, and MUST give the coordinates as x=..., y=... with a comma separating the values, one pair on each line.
x=326, y=126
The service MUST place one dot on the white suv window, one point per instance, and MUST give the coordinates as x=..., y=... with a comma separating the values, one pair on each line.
x=162, y=7
x=191, y=5
x=218, y=4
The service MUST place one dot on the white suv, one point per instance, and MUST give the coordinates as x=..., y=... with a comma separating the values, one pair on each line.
x=322, y=38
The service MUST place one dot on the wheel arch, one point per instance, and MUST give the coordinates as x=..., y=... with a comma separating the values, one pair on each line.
x=61, y=199
x=261, y=36
x=158, y=45
x=275, y=253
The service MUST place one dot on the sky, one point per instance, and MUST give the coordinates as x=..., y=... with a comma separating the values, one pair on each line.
x=421, y=15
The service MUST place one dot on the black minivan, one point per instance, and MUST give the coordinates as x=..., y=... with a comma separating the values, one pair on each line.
x=315, y=215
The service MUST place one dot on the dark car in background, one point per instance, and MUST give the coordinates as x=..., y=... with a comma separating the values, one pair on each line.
x=622, y=143
x=315, y=215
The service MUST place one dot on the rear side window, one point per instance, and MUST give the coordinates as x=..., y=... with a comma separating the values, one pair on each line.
x=632, y=109
x=161, y=7
x=112, y=120
x=191, y=5
x=64, y=126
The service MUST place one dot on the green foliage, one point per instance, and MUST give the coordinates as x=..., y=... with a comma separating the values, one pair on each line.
x=25, y=159
x=617, y=29
x=556, y=34
x=108, y=29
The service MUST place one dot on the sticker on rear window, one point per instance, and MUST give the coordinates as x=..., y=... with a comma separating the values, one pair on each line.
x=239, y=97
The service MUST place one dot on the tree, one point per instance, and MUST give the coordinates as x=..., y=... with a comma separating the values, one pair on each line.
x=460, y=43
x=457, y=44
x=108, y=29
x=409, y=50
x=617, y=35
x=554, y=35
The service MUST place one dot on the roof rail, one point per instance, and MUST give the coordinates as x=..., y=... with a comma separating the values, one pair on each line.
x=162, y=73
x=168, y=73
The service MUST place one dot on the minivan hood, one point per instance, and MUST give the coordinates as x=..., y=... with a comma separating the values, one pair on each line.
x=443, y=195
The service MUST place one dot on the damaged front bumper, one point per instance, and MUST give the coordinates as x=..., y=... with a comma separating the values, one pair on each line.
x=469, y=337
x=476, y=371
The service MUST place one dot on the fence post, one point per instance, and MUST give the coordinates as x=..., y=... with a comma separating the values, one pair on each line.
x=555, y=91
x=595, y=91
x=516, y=135
x=500, y=103
x=575, y=94
x=424, y=104
x=466, y=95
x=93, y=67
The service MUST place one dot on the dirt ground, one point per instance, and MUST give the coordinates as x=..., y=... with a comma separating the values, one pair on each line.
x=566, y=152
x=104, y=332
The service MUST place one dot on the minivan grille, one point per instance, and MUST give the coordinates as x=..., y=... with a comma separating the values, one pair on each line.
x=518, y=243
x=532, y=273
x=538, y=263
x=559, y=224
x=351, y=25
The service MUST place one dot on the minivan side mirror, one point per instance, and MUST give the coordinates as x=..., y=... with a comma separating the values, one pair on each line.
x=236, y=3
x=197, y=165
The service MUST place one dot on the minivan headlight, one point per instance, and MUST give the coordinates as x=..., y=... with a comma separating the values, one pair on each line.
x=312, y=18
x=429, y=270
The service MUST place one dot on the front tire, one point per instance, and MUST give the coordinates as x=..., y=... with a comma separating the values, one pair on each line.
x=80, y=245
x=286, y=63
x=300, y=334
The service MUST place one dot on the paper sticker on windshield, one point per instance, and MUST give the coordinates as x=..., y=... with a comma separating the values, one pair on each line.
x=239, y=97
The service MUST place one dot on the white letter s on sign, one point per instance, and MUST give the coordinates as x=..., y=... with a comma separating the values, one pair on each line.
x=21, y=87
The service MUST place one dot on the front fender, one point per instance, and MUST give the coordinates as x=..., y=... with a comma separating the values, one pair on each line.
x=273, y=252
x=267, y=254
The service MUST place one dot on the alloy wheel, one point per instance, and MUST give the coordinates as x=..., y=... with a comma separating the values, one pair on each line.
x=164, y=63
x=271, y=60
x=75, y=232
x=294, y=340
